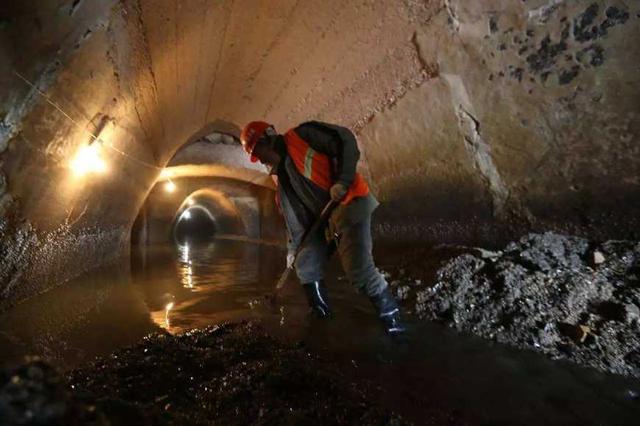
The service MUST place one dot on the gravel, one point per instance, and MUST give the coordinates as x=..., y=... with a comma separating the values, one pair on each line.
x=560, y=295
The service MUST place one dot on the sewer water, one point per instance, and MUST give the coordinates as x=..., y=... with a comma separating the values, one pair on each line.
x=176, y=288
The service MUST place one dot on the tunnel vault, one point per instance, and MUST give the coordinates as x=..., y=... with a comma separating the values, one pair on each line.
x=210, y=176
x=477, y=121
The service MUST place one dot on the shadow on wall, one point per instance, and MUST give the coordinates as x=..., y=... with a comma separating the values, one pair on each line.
x=461, y=212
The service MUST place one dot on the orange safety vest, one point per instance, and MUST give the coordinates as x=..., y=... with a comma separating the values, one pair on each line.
x=317, y=167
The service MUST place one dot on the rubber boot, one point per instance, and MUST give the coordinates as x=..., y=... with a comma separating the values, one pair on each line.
x=388, y=311
x=317, y=297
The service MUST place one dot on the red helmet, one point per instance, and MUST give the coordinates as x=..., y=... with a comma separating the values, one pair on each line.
x=250, y=135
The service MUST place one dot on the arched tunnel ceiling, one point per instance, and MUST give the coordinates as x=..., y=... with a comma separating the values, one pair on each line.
x=476, y=120
x=214, y=148
x=216, y=155
x=240, y=208
x=166, y=70
x=286, y=61
x=218, y=170
x=220, y=208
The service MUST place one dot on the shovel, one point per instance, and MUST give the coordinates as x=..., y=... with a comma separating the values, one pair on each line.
x=320, y=220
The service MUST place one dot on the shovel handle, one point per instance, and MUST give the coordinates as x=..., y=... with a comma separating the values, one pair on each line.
x=324, y=215
x=283, y=278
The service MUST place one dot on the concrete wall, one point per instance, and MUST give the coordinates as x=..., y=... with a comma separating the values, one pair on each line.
x=477, y=120
x=530, y=121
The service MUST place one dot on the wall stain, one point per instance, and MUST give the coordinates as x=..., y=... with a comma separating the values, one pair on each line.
x=592, y=55
x=544, y=58
x=584, y=29
x=567, y=76
x=573, y=50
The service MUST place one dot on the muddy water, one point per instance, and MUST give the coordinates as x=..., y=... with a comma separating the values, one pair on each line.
x=178, y=288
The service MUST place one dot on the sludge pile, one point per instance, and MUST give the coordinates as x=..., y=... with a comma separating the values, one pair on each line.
x=548, y=292
x=229, y=374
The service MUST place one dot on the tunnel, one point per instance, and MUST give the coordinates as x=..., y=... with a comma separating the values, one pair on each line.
x=207, y=189
x=500, y=139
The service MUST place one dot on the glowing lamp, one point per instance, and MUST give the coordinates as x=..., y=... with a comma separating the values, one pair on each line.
x=88, y=160
x=169, y=186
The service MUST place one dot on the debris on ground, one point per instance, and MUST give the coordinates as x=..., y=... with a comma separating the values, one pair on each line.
x=36, y=393
x=228, y=374
x=560, y=295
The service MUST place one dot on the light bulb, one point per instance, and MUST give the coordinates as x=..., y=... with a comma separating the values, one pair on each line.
x=169, y=186
x=88, y=160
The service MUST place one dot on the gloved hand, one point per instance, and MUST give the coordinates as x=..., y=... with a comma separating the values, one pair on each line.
x=338, y=191
x=290, y=259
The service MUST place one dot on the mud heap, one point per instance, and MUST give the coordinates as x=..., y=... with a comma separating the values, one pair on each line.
x=230, y=374
x=556, y=294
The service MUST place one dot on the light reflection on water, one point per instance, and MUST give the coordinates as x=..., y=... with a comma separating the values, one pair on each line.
x=216, y=281
x=164, y=287
x=185, y=268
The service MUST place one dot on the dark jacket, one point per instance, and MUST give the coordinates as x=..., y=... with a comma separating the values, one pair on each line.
x=335, y=141
x=308, y=199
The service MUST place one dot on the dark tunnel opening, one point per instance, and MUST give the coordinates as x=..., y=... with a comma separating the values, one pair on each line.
x=194, y=225
x=208, y=190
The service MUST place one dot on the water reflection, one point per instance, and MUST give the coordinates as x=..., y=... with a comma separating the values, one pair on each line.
x=216, y=281
x=163, y=287
x=83, y=318
x=167, y=308
x=185, y=270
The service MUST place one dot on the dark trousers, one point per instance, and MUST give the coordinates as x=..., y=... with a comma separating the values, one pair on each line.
x=354, y=248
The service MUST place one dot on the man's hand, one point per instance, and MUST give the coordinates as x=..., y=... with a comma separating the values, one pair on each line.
x=290, y=258
x=338, y=191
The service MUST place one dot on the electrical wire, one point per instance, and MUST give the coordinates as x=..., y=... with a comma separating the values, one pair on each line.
x=95, y=138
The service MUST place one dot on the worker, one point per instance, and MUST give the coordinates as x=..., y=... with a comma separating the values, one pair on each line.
x=313, y=163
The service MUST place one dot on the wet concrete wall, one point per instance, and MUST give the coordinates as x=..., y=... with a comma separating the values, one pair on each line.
x=476, y=120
